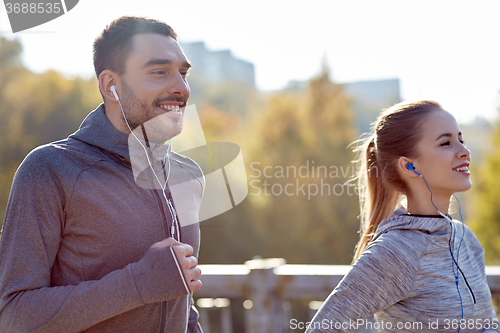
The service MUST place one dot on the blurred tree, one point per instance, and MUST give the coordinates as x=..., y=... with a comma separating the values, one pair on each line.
x=305, y=130
x=297, y=144
x=221, y=241
x=35, y=109
x=218, y=125
x=10, y=60
x=484, y=208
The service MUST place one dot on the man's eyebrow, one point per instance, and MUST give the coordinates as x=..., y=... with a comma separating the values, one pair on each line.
x=157, y=61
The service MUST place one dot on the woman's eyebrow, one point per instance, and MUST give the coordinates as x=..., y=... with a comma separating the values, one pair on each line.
x=449, y=135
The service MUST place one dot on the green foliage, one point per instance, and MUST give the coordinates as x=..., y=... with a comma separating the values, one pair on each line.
x=296, y=131
x=303, y=129
x=35, y=109
x=311, y=129
x=485, y=211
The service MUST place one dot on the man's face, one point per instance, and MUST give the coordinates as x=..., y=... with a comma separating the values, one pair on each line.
x=154, y=85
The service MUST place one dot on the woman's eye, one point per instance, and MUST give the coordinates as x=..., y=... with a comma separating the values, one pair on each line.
x=447, y=143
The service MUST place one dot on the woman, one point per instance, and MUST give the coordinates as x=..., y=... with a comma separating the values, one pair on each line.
x=415, y=268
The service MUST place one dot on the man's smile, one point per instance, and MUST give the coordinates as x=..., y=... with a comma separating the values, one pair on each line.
x=174, y=109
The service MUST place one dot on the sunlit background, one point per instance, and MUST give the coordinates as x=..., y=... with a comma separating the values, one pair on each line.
x=442, y=50
x=293, y=83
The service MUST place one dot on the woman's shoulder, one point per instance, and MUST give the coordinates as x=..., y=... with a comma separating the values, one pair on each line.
x=470, y=237
x=401, y=243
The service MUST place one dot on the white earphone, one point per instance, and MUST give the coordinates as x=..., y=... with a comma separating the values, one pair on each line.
x=113, y=90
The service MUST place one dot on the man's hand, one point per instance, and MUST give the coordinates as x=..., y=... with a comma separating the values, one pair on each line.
x=188, y=263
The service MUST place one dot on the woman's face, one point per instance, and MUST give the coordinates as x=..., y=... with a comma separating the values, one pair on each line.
x=443, y=160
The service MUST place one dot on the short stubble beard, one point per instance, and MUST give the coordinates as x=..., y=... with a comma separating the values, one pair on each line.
x=159, y=127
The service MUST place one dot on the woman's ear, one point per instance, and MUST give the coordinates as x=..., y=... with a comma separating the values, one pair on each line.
x=406, y=167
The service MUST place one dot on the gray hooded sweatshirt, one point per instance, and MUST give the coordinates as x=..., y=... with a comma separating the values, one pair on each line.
x=405, y=276
x=74, y=250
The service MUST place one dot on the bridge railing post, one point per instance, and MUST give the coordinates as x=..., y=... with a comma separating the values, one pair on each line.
x=266, y=312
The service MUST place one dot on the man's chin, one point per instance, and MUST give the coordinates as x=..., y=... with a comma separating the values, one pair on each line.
x=167, y=135
x=160, y=129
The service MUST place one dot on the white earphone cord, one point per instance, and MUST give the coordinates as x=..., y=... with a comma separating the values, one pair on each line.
x=163, y=187
x=454, y=263
x=169, y=204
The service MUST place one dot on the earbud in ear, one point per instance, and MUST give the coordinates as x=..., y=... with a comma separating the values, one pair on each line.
x=113, y=90
x=412, y=168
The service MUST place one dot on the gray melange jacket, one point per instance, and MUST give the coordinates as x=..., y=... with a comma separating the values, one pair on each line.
x=404, y=276
x=74, y=251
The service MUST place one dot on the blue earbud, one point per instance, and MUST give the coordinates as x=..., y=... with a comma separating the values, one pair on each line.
x=412, y=168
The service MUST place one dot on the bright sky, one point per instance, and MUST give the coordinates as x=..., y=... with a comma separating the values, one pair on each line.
x=447, y=50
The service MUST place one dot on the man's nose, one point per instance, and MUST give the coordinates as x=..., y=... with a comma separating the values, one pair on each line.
x=178, y=85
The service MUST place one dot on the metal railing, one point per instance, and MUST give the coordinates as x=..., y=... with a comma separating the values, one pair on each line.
x=267, y=285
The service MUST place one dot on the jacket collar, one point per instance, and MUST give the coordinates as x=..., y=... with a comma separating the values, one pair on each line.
x=402, y=221
x=97, y=130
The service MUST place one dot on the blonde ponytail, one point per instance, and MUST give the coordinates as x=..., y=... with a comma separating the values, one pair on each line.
x=396, y=133
x=377, y=200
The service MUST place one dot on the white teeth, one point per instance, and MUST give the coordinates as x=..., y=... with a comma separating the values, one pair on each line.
x=174, y=108
x=464, y=168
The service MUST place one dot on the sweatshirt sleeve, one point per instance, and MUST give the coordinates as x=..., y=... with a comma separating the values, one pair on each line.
x=493, y=324
x=28, y=247
x=380, y=277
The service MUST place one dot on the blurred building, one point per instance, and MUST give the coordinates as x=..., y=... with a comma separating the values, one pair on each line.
x=218, y=66
x=369, y=98
x=479, y=138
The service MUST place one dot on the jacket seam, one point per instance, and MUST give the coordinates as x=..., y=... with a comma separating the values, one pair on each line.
x=82, y=271
x=135, y=285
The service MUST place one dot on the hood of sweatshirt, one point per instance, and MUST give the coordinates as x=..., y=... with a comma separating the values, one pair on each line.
x=97, y=130
x=401, y=220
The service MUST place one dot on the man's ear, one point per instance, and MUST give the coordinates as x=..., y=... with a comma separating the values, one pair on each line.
x=403, y=163
x=107, y=78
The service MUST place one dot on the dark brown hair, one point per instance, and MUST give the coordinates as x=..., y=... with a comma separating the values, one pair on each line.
x=396, y=133
x=114, y=44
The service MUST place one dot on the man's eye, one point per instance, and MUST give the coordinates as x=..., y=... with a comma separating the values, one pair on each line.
x=185, y=73
x=159, y=72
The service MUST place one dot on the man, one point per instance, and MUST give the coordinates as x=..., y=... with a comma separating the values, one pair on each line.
x=88, y=244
